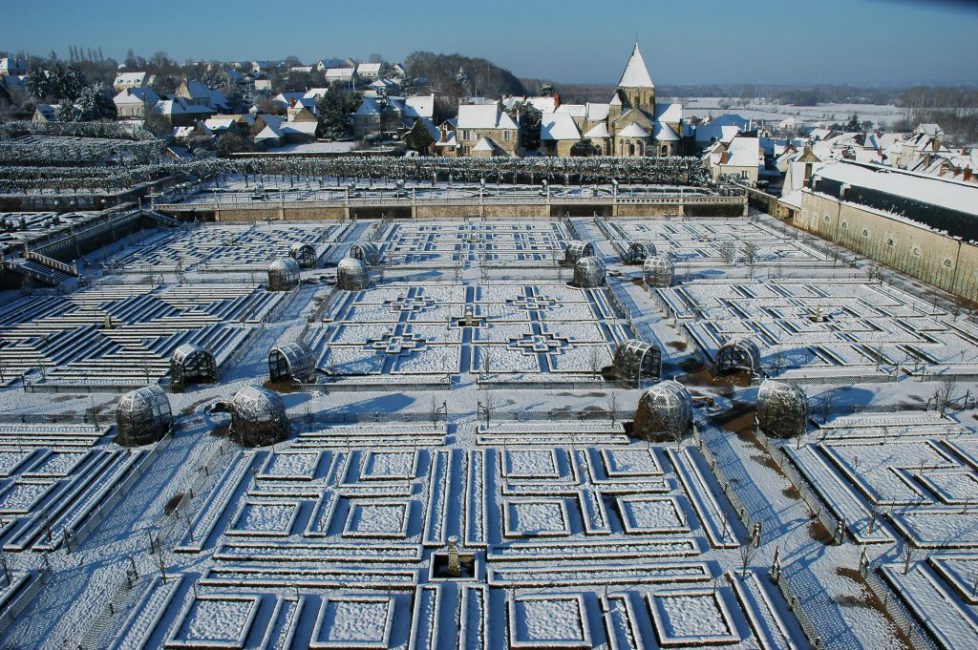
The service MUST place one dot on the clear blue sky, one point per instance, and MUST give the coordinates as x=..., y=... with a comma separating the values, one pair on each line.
x=684, y=41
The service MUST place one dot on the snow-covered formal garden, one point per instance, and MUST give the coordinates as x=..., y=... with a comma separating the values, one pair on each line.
x=465, y=463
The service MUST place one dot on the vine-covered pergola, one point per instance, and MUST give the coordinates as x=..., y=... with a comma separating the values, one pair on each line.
x=687, y=171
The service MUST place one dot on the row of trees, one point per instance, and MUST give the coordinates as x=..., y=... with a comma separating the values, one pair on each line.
x=955, y=109
x=453, y=77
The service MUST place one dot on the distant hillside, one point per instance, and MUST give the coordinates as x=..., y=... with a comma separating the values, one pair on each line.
x=572, y=93
x=479, y=77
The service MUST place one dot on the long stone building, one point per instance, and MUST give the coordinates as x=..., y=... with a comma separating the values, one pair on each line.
x=921, y=225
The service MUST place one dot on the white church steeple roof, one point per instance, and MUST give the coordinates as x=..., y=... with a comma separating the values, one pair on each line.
x=636, y=75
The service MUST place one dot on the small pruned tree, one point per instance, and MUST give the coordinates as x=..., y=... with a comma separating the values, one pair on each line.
x=419, y=138
x=336, y=108
x=528, y=117
x=583, y=148
x=749, y=249
x=747, y=552
x=728, y=251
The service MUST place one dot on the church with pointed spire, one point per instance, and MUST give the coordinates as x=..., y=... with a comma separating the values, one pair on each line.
x=631, y=124
x=639, y=126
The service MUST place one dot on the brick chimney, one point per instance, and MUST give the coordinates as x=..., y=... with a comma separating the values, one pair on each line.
x=968, y=174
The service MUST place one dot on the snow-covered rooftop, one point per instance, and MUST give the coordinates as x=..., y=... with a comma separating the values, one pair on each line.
x=483, y=116
x=941, y=192
x=558, y=126
x=744, y=152
x=633, y=130
x=636, y=74
x=416, y=106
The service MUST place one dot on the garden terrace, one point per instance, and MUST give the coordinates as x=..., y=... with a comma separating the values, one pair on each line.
x=351, y=525
x=524, y=331
x=213, y=248
x=461, y=402
x=124, y=335
x=835, y=330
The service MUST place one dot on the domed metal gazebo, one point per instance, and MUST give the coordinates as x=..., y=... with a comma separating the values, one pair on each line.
x=294, y=361
x=258, y=417
x=637, y=252
x=782, y=409
x=664, y=413
x=589, y=272
x=577, y=249
x=352, y=275
x=191, y=365
x=636, y=360
x=738, y=354
x=283, y=275
x=658, y=271
x=304, y=255
x=143, y=416
x=367, y=252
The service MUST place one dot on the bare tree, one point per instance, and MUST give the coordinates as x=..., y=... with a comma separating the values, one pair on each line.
x=728, y=251
x=487, y=407
x=942, y=396
x=747, y=552
x=613, y=408
x=594, y=361
x=435, y=411
x=749, y=249
x=826, y=405
x=908, y=555
x=486, y=359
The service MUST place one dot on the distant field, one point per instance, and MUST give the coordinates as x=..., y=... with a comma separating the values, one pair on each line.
x=760, y=109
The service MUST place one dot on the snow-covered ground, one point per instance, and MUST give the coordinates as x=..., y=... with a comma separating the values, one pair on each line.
x=497, y=430
x=764, y=110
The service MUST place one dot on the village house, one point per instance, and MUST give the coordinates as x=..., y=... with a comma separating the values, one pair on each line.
x=558, y=134
x=180, y=112
x=367, y=118
x=197, y=93
x=45, y=113
x=446, y=144
x=342, y=75
x=125, y=80
x=485, y=130
x=368, y=71
x=741, y=159
x=12, y=65
x=132, y=103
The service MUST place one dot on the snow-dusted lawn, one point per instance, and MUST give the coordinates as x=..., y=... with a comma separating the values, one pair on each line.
x=549, y=622
x=291, y=466
x=936, y=527
x=261, y=518
x=536, y=518
x=9, y=460
x=652, y=515
x=378, y=519
x=630, y=462
x=216, y=621
x=692, y=618
x=22, y=496
x=524, y=463
x=386, y=465
x=354, y=622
